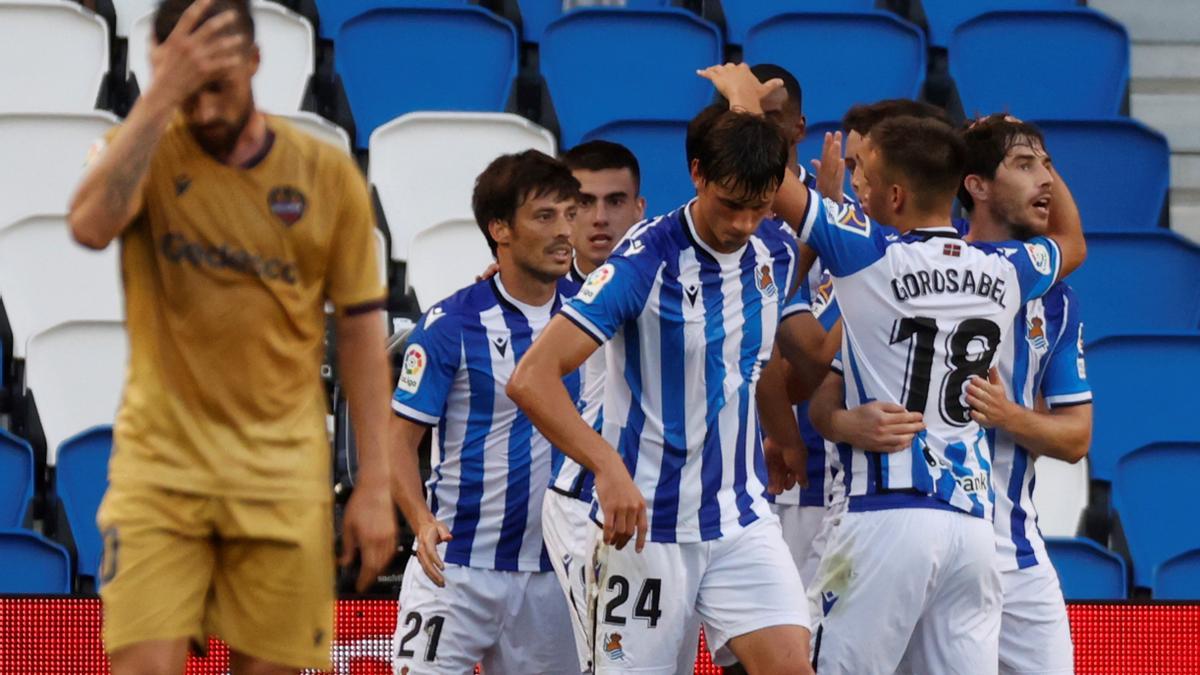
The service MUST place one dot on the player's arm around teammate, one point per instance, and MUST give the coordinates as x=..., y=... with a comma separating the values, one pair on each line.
x=879, y=426
x=1063, y=433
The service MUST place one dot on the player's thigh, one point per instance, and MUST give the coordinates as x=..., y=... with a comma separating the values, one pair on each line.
x=751, y=584
x=1035, y=632
x=273, y=586
x=571, y=539
x=776, y=650
x=447, y=630
x=643, y=606
x=535, y=636
x=959, y=631
x=157, y=567
x=874, y=580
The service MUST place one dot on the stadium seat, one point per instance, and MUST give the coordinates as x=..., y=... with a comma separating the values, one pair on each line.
x=16, y=479
x=1144, y=387
x=662, y=158
x=537, y=14
x=1086, y=570
x=53, y=56
x=1157, y=512
x=741, y=16
x=47, y=279
x=944, y=16
x=80, y=481
x=335, y=12
x=1162, y=283
x=44, y=158
x=1060, y=494
x=424, y=165
x=1120, y=197
x=129, y=11
x=1178, y=578
x=1072, y=64
x=878, y=56
x=658, y=55
x=396, y=61
x=315, y=125
x=285, y=39
x=429, y=276
x=75, y=372
x=33, y=564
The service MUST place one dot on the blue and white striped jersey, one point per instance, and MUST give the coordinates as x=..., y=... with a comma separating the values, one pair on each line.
x=687, y=330
x=921, y=313
x=567, y=476
x=490, y=464
x=1044, y=359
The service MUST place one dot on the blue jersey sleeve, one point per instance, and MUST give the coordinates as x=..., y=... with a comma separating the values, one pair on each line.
x=1065, y=380
x=842, y=234
x=431, y=361
x=800, y=301
x=614, y=293
x=1037, y=262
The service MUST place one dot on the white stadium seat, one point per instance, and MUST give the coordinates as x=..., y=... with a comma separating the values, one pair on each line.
x=445, y=258
x=47, y=279
x=1060, y=495
x=424, y=165
x=53, y=56
x=43, y=158
x=76, y=372
x=315, y=125
x=129, y=11
x=285, y=41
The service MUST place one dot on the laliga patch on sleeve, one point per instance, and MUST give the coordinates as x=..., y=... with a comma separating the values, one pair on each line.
x=597, y=280
x=94, y=152
x=413, y=368
x=1039, y=255
x=847, y=216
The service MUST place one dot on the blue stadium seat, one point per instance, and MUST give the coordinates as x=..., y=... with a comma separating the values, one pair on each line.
x=1178, y=578
x=1118, y=171
x=944, y=16
x=33, y=564
x=842, y=59
x=1145, y=392
x=395, y=61
x=1157, y=510
x=80, y=482
x=742, y=15
x=657, y=54
x=334, y=13
x=662, y=157
x=16, y=479
x=537, y=14
x=1086, y=570
x=1071, y=64
x=1162, y=282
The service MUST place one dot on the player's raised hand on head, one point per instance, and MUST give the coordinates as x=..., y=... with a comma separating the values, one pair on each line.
x=989, y=402
x=739, y=85
x=881, y=426
x=429, y=536
x=369, y=529
x=623, y=506
x=195, y=53
x=831, y=169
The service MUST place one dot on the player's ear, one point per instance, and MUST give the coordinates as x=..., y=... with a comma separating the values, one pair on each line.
x=640, y=205
x=898, y=197
x=255, y=58
x=800, y=130
x=501, y=231
x=976, y=187
x=696, y=178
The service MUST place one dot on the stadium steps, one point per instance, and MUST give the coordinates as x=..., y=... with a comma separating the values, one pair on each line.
x=1165, y=91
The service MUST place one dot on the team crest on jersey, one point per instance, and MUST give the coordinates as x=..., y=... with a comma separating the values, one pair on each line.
x=413, y=368
x=1037, y=333
x=613, y=648
x=1039, y=255
x=766, y=284
x=597, y=280
x=287, y=203
x=847, y=216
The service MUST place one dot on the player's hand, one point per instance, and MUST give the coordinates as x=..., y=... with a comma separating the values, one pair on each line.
x=780, y=476
x=430, y=535
x=191, y=57
x=738, y=84
x=488, y=272
x=831, y=168
x=989, y=403
x=881, y=426
x=623, y=506
x=369, y=528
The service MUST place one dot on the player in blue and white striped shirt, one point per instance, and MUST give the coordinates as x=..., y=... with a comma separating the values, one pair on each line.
x=687, y=309
x=483, y=591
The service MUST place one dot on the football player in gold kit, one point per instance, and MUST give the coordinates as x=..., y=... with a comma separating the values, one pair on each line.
x=235, y=229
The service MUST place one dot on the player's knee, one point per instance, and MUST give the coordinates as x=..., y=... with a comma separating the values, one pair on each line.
x=243, y=664
x=150, y=658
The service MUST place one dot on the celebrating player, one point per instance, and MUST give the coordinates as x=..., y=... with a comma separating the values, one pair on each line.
x=687, y=308
x=235, y=229
x=483, y=590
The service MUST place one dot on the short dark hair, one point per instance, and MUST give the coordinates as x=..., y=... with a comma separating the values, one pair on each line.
x=929, y=156
x=601, y=155
x=988, y=142
x=170, y=11
x=863, y=117
x=766, y=72
x=511, y=180
x=740, y=151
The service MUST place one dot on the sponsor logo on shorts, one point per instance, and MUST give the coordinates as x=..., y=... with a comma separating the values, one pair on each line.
x=597, y=280
x=612, y=647
x=413, y=368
